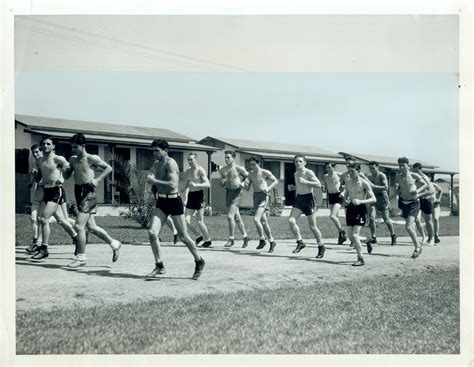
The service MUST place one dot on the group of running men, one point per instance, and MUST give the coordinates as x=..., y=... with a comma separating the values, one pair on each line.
x=361, y=195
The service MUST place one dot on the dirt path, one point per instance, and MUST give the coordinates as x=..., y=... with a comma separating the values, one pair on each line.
x=48, y=284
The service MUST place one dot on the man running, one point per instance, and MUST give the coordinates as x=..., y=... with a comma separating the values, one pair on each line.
x=196, y=181
x=164, y=174
x=83, y=165
x=37, y=206
x=357, y=195
x=437, y=211
x=232, y=177
x=258, y=178
x=51, y=168
x=427, y=199
x=332, y=182
x=408, y=201
x=305, y=181
x=379, y=185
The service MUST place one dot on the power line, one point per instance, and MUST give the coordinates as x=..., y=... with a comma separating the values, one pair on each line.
x=129, y=44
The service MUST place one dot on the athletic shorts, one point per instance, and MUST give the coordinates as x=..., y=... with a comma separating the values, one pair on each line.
x=435, y=204
x=426, y=206
x=305, y=203
x=195, y=200
x=409, y=208
x=335, y=198
x=233, y=197
x=260, y=200
x=55, y=194
x=356, y=215
x=383, y=202
x=86, y=198
x=38, y=195
x=170, y=206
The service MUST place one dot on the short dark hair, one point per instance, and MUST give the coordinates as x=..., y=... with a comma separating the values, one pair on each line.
x=193, y=154
x=417, y=165
x=298, y=156
x=374, y=163
x=231, y=152
x=35, y=146
x=355, y=165
x=403, y=160
x=332, y=164
x=47, y=137
x=349, y=158
x=255, y=159
x=160, y=143
x=78, y=139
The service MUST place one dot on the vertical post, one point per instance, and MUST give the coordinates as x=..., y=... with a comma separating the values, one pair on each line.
x=112, y=189
x=209, y=173
x=452, y=191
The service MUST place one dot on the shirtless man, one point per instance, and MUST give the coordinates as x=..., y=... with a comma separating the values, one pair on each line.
x=258, y=178
x=379, y=185
x=82, y=165
x=37, y=206
x=51, y=167
x=408, y=201
x=232, y=177
x=164, y=174
x=196, y=181
x=332, y=182
x=305, y=181
x=357, y=195
x=427, y=199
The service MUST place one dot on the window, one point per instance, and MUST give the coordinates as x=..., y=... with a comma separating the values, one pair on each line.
x=144, y=159
x=22, y=160
x=92, y=149
x=273, y=167
x=63, y=149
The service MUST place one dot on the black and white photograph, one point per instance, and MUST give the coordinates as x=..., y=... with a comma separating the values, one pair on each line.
x=263, y=183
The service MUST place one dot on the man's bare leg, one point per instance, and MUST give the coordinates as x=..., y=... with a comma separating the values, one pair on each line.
x=153, y=233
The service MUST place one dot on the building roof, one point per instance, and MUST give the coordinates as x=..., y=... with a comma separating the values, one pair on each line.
x=266, y=148
x=385, y=161
x=99, y=128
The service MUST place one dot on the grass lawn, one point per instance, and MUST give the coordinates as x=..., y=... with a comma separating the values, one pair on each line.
x=128, y=231
x=412, y=314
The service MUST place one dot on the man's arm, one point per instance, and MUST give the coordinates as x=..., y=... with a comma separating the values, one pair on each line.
x=203, y=178
x=95, y=160
x=173, y=176
x=269, y=176
x=242, y=172
x=70, y=170
x=384, y=185
x=422, y=181
x=223, y=180
x=311, y=181
x=368, y=200
x=439, y=190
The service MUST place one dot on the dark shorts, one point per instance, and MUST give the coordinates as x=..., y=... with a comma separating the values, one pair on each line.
x=86, y=199
x=195, y=200
x=335, y=198
x=55, y=194
x=356, y=215
x=170, y=206
x=409, y=208
x=233, y=197
x=383, y=202
x=260, y=200
x=305, y=203
x=426, y=206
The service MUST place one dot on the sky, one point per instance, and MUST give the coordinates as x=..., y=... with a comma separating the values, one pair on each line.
x=381, y=85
